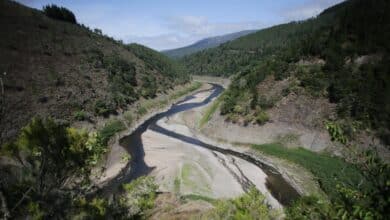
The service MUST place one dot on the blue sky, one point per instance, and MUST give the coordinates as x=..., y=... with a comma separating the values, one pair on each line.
x=166, y=24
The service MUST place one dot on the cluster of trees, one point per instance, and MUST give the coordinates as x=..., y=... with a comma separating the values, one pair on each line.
x=249, y=206
x=49, y=176
x=128, y=82
x=367, y=200
x=59, y=13
x=341, y=35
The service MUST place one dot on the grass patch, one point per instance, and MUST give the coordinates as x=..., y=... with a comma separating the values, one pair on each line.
x=210, y=111
x=193, y=178
x=328, y=170
x=199, y=197
x=176, y=184
x=129, y=117
x=110, y=129
x=194, y=86
x=148, y=105
x=80, y=115
x=142, y=110
x=125, y=158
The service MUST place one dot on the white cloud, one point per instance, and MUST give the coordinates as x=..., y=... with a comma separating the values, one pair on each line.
x=202, y=26
x=160, y=42
x=185, y=30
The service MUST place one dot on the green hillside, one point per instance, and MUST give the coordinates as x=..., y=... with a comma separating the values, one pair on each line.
x=204, y=44
x=350, y=45
x=55, y=67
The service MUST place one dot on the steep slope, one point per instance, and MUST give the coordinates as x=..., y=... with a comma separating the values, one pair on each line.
x=56, y=68
x=341, y=55
x=207, y=43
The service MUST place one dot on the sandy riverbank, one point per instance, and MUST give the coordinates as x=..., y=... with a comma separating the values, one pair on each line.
x=186, y=168
x=114, y=161
x=302, y=180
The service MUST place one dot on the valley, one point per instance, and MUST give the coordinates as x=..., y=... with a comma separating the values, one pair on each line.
x=291, y=121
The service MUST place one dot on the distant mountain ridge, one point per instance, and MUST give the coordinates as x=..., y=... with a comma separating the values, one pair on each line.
x=206, y=43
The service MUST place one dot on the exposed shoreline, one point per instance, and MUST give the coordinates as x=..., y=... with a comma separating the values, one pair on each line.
x=113, y=163
x=302, y=180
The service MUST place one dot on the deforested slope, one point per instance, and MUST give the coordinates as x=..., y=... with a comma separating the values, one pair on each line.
x=52, y=67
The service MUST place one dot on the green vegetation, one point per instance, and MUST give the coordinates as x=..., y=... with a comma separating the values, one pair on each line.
x=249, y=206
x=142, y=110
x=125, y=158
x=122, y=78
x=348, y=56
x=104, y=109
x=176, y=185
x=110, y=129
x=329, y=170
x=125, y=88
x=355, y=191
x=204, y=44
x=147, y=105
x=194, y=86
x=199, y=197
x=80, y=115
x=49, y=176
x=153, y=59
x=48, y=155
x=365, y=203
x=210, y=111
x=128, y=115
x=189, y=176
x=138, y=198
x=262, y=117
x=59, y=13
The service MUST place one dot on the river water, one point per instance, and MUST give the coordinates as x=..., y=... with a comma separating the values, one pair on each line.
x=276, y=184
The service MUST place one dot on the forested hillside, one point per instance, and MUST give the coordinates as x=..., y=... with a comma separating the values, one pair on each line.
x=56, y=73
x=52, y=66
x=205, y=44
x=342, y=54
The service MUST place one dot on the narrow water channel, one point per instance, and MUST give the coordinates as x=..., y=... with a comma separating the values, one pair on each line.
x=277, y=185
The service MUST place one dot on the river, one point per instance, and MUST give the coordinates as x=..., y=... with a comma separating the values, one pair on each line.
x=280, y=189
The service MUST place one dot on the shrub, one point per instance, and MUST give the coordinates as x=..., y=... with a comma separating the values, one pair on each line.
x=142, y=110
x=59, y=13
x=49, y=154
x=104, y=109
x=80, y=115
x=139, y=197
x=129, y=117
x=262, y=117
x=310, y=207
x=249, y=206
x=329, y=170
x=149, y=87
x=110, y=129
x=265, y=102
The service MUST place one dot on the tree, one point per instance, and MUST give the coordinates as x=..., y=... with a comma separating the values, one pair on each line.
x=50, y=156
x=59, y=13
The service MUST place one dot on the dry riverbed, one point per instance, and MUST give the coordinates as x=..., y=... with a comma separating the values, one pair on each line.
x=302, y=180
x=116, y=159
x=185, y=168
